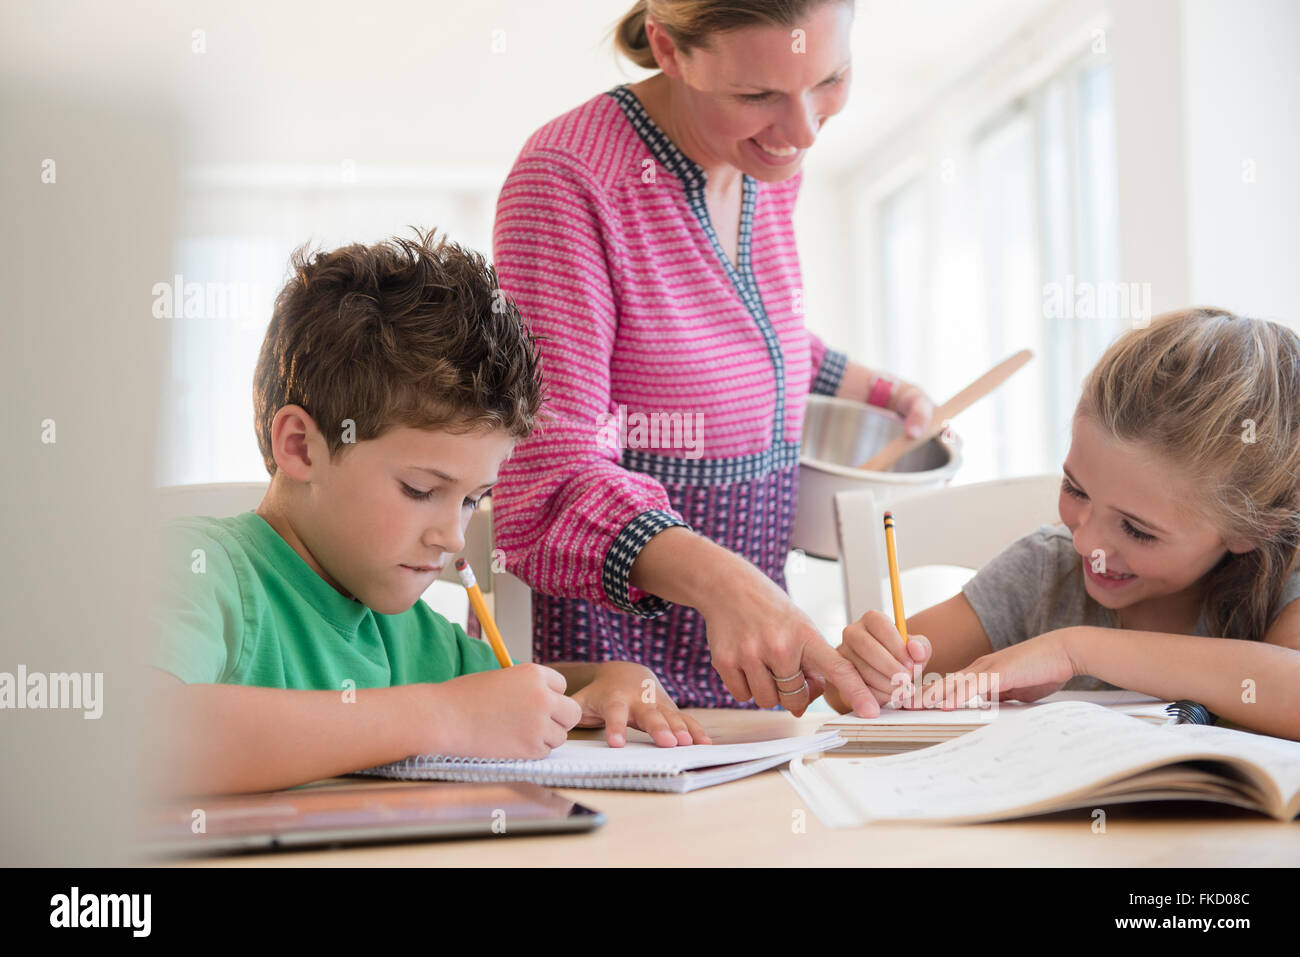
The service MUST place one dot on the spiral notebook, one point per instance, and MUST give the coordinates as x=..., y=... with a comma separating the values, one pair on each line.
x=636, y=766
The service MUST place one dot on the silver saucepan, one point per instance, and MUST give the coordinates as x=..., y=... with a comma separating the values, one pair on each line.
x=837, y=434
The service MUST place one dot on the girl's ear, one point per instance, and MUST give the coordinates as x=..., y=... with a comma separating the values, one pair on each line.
x=1239, y=546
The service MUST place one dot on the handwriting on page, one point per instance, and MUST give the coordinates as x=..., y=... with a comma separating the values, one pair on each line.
x=1054, y=752
x=1280, y=757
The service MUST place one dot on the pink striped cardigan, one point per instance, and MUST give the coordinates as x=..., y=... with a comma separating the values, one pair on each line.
x=677, y=384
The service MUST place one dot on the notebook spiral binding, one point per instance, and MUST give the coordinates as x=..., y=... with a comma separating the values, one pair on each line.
x=1189, y=712
x=510, y=770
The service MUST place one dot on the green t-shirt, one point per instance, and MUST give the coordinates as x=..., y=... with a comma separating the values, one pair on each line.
x=248, y=610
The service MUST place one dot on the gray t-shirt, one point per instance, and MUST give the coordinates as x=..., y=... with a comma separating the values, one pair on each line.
x=1010, y=595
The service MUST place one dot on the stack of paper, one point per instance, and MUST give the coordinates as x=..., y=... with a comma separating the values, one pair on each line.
x=897, y=730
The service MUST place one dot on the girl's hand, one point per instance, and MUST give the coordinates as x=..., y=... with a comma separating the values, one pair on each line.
x=624, y=694
x=890, y=669
x=1025, y=671
x=910, y=402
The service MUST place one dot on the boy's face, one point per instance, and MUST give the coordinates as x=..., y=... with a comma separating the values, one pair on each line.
x=1124, y=503
x=382, y=520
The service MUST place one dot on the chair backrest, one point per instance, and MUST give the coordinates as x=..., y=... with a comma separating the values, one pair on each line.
x=965, y=525
x=513, y=607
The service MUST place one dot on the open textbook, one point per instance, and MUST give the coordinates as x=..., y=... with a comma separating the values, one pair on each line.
x=897, y=730
x=1069, y=754
x=636, y=766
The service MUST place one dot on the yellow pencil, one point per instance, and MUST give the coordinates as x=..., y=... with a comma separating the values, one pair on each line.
x=481, y=610
x=900, y=620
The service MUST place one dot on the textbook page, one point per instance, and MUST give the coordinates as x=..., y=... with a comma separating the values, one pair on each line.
x=1031, y=761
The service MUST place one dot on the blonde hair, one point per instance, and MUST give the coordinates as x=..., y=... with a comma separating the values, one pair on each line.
x=1217, y=395
x=691, y=23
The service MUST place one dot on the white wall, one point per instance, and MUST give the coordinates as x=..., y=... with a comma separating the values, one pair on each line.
x=1207, y=97
x=1241, y=107
x=1151, y=171
x=79, y=252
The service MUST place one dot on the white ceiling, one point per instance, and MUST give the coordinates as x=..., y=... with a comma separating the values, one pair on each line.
x=415, y=82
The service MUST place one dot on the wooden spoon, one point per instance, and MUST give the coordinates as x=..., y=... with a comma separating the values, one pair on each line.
x=884, y=460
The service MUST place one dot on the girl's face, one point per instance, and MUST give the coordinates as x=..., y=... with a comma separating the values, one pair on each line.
x=1133, y=521
x=757, y=96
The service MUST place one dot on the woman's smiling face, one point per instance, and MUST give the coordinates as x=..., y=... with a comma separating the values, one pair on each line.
x=757, y=96
x=1129, y=506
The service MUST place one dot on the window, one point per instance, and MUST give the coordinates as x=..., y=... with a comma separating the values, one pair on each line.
x=1010, y=243
x=902, y=275
x=238, y=229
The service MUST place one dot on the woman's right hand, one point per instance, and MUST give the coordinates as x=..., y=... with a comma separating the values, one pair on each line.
x=888, y=666
x=757, y=635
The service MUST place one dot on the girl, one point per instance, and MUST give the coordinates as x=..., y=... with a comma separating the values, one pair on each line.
x=1174, y=572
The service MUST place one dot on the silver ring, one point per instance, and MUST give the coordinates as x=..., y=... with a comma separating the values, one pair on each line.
x=797, y=674
x=799, y=690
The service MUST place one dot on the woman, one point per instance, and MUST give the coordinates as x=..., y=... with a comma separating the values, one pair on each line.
x=647, y=237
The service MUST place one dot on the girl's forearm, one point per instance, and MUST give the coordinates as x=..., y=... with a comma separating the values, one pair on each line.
x=1250, y=683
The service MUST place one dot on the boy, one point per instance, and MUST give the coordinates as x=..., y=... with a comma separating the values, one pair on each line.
x=393, y=382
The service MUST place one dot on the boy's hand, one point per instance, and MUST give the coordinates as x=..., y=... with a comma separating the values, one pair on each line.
x=518, y=712
x=873, y=645
x=624, y=694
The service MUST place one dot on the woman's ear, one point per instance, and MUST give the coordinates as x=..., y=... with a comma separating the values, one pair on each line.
x=663, y=48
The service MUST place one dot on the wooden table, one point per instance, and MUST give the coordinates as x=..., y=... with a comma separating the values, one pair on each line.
x=756, y=822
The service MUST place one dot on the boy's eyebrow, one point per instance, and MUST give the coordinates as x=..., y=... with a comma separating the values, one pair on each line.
x=447, y=478
x=1140, y=521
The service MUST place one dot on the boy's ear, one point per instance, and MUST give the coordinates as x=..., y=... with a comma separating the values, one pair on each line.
x=296, y=443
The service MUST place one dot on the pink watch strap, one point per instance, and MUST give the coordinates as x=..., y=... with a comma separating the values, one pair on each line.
x=881, y=392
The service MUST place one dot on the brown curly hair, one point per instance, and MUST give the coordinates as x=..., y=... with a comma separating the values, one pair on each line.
x=406, y=332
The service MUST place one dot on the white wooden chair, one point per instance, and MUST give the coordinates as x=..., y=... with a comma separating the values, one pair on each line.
x=963, y=526
x=509, y=598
